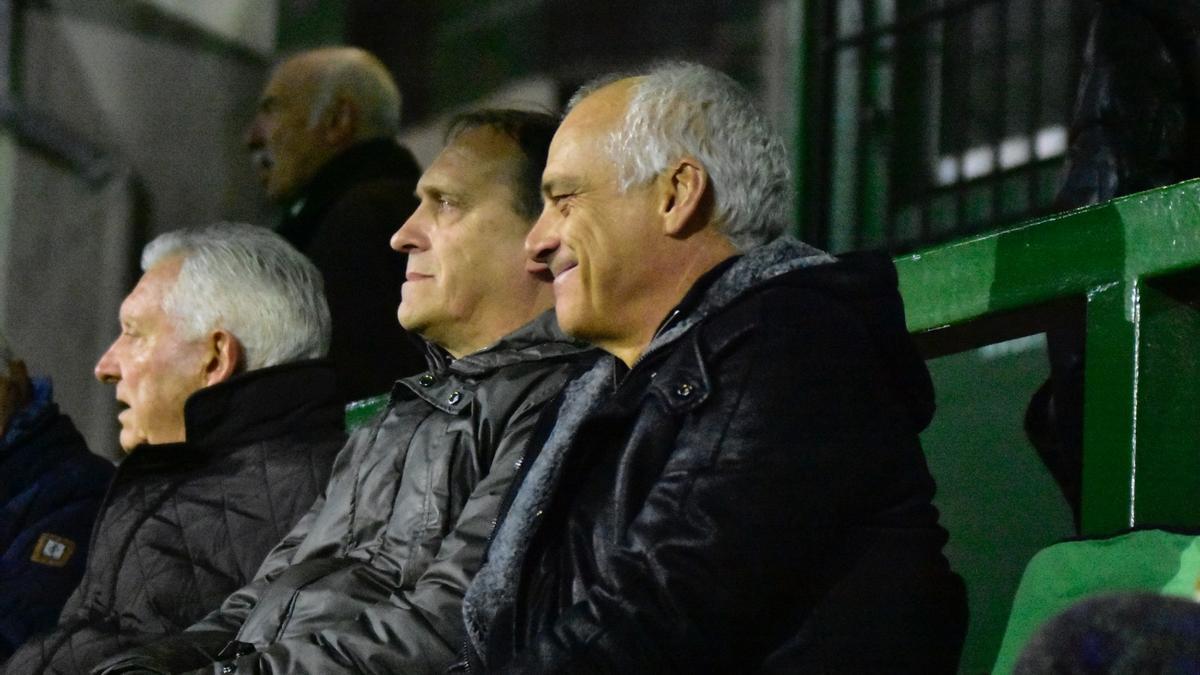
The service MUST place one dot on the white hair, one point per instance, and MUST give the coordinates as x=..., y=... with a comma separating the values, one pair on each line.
x=251, y=282
x=356, y=74
x=679, y=109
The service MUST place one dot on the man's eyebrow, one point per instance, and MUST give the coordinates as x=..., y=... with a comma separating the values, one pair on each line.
x=554, y=185
x=430, y=191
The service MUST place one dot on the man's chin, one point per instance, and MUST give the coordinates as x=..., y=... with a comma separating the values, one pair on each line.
x=571, y=321
x=130, y=440
x=411, y=318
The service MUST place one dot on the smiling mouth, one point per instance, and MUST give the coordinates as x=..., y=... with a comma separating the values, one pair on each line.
x=564, y=271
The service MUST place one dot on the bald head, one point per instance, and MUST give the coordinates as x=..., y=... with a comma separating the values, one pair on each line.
x=358, y=77
x=316, y=104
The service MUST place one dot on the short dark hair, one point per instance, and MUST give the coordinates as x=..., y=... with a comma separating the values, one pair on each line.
x=531, y=130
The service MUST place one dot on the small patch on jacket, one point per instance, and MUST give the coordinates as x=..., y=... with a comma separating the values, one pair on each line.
x=52, y=550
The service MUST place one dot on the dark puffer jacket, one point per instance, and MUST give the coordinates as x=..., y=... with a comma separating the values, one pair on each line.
x=185, y=524
x=372, y=579
x=50, y=492
x=750, y=497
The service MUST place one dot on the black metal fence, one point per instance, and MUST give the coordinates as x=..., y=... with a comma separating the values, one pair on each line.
x=931, y=119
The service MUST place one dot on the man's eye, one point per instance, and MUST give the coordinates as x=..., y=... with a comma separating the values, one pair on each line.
x=562, y=202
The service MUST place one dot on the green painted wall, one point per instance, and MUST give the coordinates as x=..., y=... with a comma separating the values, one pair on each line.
x=998, y=502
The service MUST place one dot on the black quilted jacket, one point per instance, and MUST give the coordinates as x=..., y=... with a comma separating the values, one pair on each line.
x=185, y=524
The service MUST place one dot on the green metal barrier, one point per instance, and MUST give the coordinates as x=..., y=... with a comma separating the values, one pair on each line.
x=362, y=411
x=1130, y=268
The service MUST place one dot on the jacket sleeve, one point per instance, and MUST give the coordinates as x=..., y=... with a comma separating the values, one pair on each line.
x=419, y=630
x=740, y=534
x=200, y=643
x=76, y=644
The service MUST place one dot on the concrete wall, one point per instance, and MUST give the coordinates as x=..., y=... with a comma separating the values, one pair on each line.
x=169, y=109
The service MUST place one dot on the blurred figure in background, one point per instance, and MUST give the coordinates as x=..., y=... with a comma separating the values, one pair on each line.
x=323, y=143
x=50, y=491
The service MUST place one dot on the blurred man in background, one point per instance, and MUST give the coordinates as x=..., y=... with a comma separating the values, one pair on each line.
x=323, y=143
x=50, y=491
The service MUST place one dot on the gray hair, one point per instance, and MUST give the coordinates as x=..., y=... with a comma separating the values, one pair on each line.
x=679, y=109
x=251, y=282
x=361, y=77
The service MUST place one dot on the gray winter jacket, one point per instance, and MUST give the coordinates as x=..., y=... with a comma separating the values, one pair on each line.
x=372, y=578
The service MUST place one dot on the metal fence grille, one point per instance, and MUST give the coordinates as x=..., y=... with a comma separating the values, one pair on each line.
x=932, y=119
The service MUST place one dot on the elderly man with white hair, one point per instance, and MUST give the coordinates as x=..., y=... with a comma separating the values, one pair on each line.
x=230, y=424
x=738, y=486
x=323, y=144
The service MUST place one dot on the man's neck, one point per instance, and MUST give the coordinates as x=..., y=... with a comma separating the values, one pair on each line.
x=658, y=307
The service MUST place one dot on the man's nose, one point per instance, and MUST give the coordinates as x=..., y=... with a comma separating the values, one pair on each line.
x=411, y=235
x=253, y=138
x=106, y=368
x=542, y=240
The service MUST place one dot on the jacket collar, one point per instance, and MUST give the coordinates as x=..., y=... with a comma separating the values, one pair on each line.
x=256, y=405
x=731, y=279
x=537, y=340
x=448, y=385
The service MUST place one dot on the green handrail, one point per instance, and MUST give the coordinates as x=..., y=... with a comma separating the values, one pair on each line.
x=1130, y=269
x=362, y=411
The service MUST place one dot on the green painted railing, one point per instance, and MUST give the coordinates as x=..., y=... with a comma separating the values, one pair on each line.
x=359, y=413
x=1130, y=269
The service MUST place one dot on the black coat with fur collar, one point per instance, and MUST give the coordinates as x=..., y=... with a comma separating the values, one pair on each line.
x=750, y=497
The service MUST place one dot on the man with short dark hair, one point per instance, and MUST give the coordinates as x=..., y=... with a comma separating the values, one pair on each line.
x=738, y=485
x=373, y=577
x=323, y=143
x=230, y=424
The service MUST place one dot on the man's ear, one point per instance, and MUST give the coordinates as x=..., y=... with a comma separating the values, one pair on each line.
x=340, y=123
x=686, y=198
x=225, y=357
